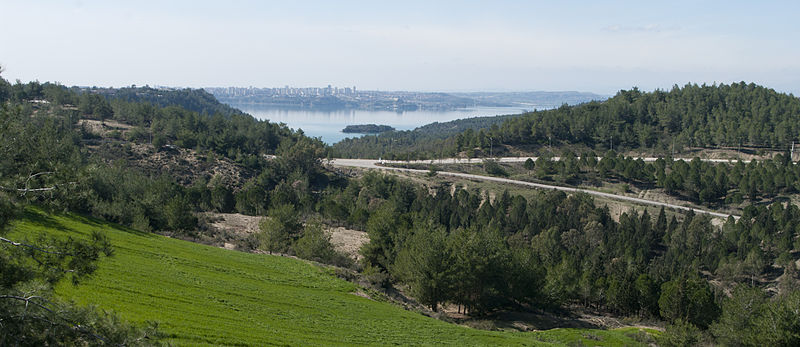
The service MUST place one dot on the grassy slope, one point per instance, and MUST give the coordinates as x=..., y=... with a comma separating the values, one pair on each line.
x=203, y=295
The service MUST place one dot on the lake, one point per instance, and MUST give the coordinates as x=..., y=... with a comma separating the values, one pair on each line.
x=328, y=125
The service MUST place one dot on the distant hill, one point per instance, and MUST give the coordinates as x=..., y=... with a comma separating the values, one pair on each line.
x=374, y=146
x=316, y=98
x=445, y=129
x=538, y=100
x=739, y=114
x=196, y=100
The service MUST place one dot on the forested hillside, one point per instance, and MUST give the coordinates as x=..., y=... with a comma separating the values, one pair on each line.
x=423, y=139
x=196, y=100
x=82, y=151
x=699, y=116
x=70, y=149
x=55, y=140
x=454, y=246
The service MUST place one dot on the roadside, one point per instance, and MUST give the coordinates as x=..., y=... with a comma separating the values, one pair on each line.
x=372, y=164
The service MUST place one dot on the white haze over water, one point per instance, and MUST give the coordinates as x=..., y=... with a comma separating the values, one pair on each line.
x=447, y=45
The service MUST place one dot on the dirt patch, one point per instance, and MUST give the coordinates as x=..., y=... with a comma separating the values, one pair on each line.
x=348, y=241
x=228, y=230
x=234, y=223
x=102, y=128
x=361, y=294
x=543, y=320
x=616, y=209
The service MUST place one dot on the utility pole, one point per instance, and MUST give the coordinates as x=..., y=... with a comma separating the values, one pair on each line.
x=740, y=149
x=491, y=148
x=673, y=147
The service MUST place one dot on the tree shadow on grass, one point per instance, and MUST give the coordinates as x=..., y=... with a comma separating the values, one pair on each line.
x=38, y=217
x=102, y=225
x=45, y=219
x=534, y=320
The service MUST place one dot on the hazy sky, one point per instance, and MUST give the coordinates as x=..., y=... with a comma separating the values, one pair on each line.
x=596, y=46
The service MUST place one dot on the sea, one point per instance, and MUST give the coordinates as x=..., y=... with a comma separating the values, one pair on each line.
x=328, y=124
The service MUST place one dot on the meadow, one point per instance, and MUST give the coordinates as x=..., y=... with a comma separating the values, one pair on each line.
x=202, y=295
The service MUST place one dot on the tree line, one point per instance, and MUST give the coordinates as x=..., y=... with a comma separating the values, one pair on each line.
x=739, y=114
x=461, y=247
x=703, y=182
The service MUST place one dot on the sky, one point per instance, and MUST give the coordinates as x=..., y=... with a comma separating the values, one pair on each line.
x=592, y=46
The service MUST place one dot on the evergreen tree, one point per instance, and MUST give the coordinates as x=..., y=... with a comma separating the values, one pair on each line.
x=426, y=264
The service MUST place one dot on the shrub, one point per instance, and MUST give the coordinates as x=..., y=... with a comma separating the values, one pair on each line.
x=494, y=169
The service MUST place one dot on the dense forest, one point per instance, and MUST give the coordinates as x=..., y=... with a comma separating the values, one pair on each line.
x=447, y=245
x=733, y=115
x=196, y=100
x=703, y=182
x=461, y=247
x=420, y=139
x=118, y=192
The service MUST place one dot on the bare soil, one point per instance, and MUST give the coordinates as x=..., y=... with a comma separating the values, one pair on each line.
x=234, y=223
x=231, y=229
x=535, y=320
x=348, y=241
x=228, y=230
x=102, y=128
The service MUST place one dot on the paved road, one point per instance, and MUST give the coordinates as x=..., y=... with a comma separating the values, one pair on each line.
x=372, y=164
x=521, y=159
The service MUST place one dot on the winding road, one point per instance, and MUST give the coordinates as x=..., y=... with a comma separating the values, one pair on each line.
x=373, y=164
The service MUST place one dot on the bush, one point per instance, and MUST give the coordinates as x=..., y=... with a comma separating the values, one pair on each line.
x=315, y=244
x=137, y=134
x=680, y=333
x=179, y=214
x=376, y=276
x=159, y=141
x=529, y=164
x=749, y=318
x=494, y=169
x=432, y=171
x=690, y=300
x=273, y=236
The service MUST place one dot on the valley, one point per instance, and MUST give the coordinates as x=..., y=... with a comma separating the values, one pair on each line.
x=230, y=221
x=204, y=295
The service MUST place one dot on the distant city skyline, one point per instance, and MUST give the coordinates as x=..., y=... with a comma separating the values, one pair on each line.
x=448, y=46
x=288, y=90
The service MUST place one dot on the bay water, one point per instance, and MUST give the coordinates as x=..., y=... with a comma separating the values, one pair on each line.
x=328, y=124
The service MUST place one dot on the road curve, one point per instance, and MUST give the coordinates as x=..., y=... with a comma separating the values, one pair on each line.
x=372, y=164
x=522, y=159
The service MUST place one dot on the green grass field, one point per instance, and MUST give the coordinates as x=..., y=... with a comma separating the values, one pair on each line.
x=204, y=295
